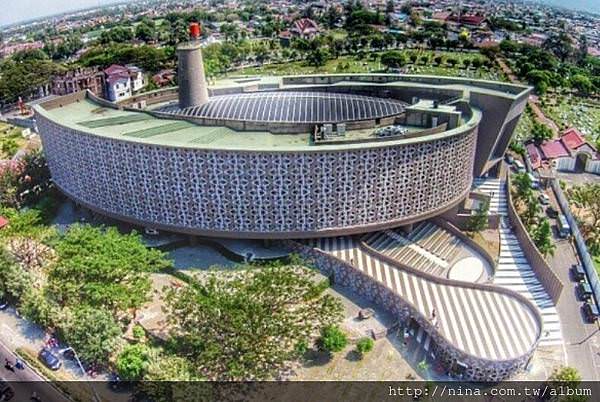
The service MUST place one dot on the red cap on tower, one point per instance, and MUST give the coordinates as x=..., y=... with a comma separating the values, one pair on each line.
x=194, y=30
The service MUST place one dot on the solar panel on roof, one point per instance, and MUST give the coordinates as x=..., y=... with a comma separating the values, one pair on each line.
x=293, y=107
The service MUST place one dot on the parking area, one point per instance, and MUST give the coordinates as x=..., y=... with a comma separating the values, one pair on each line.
x=582, y=337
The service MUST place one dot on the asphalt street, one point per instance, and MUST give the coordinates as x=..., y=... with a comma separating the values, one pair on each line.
x=26, y=381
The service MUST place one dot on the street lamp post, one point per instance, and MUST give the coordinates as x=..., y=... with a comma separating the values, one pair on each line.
x=96, y=397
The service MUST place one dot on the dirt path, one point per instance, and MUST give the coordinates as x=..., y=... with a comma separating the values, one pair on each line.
x=532, y=101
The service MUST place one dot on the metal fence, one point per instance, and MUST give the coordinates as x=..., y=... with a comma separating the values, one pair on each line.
x=584, y=255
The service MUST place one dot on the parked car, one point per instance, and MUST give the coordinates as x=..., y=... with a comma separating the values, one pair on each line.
x=3, y=304
x=578, y=272
x=544, y=199
x=584, y=291
x=535, y=182
x=564, y=230
x=590, y=311
x=509, y=159
x=551, y=212
x=49, y=359
x=519, y=167
x=6, y=391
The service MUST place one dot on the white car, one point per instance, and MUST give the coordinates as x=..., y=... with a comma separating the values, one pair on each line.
x=544, y=199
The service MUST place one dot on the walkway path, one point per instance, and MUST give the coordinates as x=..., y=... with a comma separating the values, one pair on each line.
x=513, y=270
x=532, y=101
x=482, y=322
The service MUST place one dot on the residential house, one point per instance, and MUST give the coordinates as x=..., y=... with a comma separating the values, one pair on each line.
x=305, y=28
x=123, y=81
x=81, y=79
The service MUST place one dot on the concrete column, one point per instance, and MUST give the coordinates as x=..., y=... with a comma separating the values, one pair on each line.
x=193, y=90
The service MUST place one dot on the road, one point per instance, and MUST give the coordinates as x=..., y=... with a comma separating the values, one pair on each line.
x=582, y=339
x=26, y=381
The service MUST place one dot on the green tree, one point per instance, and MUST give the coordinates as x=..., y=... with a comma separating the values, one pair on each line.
x=582, y=84
x=560, y=44
x=587, y=200
x=522, y=183
x=542, y=237
x=467, y=63
x=145, y=32
x=364, y=346
x=392, y=59
x=452, y=61
x=247, y=326
x=36, y=307
x=230, y=32
x=118, y=35
x=93, y=333
x=317, y=57
x=540, y=132
x=532, y=211
x=413, y=58
x=565, y=376
x=14, y=281
x=479, y=220
x=332, y=339
x=101, y=267
x=477, y=63
x=132, y=362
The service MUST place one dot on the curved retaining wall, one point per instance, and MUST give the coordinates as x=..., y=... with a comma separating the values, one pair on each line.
x=551, y=282
x=480, y=369
x=260, y=194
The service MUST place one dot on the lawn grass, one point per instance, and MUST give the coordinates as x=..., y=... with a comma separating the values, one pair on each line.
x=369, y=63
x=524, y=127
x=573, y=111
x=10, y=134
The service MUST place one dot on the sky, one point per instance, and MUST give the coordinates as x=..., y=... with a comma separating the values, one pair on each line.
x=21, y=10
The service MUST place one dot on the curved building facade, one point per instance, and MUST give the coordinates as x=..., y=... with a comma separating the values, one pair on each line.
x=261, y=194
x=163, y=169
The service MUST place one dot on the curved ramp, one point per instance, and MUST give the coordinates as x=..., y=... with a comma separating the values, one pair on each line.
x=482, y=321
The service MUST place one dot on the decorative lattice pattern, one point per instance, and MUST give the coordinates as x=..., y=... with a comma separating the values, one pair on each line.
x=259, y=192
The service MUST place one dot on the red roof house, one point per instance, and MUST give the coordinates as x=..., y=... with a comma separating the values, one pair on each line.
x=572, y=138
x=3, y=222
x=554, y=149
x=305, y=27
x=534, y=156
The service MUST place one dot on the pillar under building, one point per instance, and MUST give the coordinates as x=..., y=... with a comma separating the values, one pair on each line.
x=193, y=90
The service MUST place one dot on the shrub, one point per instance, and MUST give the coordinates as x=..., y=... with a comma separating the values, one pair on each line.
x=364, y=345
x=138, y=332
x=93, y=333
x=132, y=362
x=332, y=339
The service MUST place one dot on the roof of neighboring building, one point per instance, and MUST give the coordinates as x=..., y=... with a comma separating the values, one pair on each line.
x=572, y=138
x=554, y=149
x=117, y=77
x=115, y=69
x=468, y=19
x=305, y=25
x=534, y=156
x=590, y=150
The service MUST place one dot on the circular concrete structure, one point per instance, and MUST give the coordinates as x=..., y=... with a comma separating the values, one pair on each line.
x=469, y=269
x=204, y=177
